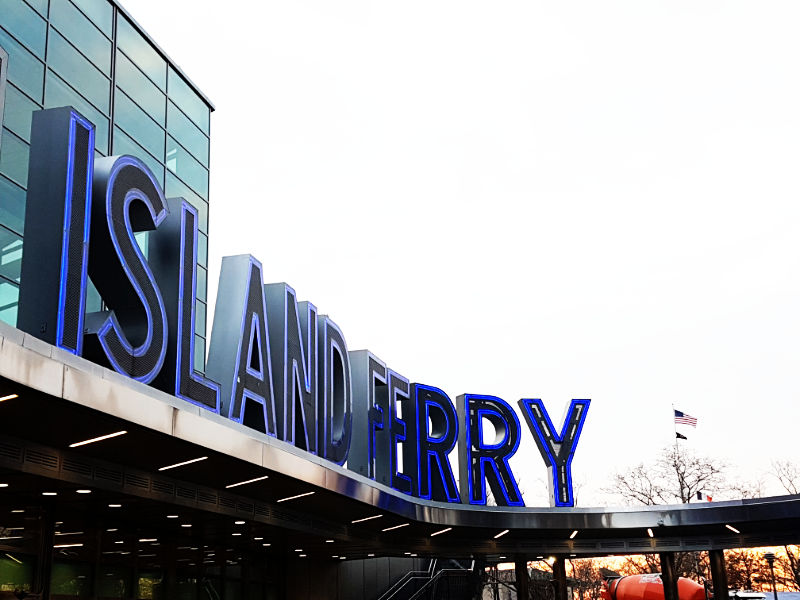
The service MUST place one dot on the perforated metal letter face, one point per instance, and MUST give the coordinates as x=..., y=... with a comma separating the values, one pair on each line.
x=132, y=337
x=557, y=449
x=173, y=258
x=335, y=395
x=402, y=430
x=238, y=356
x=369, y=447
x=293, y=346
x=482, y=460
x=437, y=432
x=52, y=297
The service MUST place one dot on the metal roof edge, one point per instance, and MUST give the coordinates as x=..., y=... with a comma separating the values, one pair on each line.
x=163, y=54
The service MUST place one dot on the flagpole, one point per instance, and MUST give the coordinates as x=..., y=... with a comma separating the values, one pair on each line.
x=675, y=429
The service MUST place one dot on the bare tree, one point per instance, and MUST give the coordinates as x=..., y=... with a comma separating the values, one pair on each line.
x=674, y=477
x=788, y=474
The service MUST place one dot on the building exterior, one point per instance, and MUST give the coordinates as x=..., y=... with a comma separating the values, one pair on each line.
x=126, y=479
x=91, y=55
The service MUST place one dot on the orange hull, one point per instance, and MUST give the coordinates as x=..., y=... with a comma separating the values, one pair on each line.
x=650, y=587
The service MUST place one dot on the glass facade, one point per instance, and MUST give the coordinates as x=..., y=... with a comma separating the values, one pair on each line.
x=87, y=54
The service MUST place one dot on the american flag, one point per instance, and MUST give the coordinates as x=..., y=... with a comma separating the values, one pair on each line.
x=682, y=418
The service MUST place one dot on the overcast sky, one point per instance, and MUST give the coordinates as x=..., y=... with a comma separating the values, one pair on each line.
x=551, y=200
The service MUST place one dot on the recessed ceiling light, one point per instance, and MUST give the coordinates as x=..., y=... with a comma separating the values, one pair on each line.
x=266, y=545
x=49, y=493
x=370, y=555
x=396, y=527
x=233, y=485
x=2, y=485
x=111, y=530
x=441, y=531
x=239, y=522
x=501, y=558
x=119, y=542
x=172, y=516
x=186, y=524
x=18, y=510
x=649, y=532
x=236, y=533
x=295, y=497
x=501, y=534
x=298, y=549
x=301, y=555
x=67, y=545
x=98, y=439
x=732, y=528
x=115, y=506
x=9, y=397
x=367, y=519
x=84, y=491
x=148, y=539
x=183, y=464
x=328, y=541
x=258, y=539
x=573, y=534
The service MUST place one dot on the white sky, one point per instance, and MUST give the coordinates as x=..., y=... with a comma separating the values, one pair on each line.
x=556, y=200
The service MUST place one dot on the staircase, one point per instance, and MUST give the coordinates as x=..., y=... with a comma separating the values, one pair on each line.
x=449, y=583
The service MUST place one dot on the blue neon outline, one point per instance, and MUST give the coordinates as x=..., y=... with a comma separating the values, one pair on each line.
x=267, y=379
x=483, y=460
x=295, y=369
x=255, y=335
x=527, y=403
x=62, y=286
x=186, y=207
x=394, y=392
x=374, y=426
x=429, y=441
x=328, y=402
x=111, y=321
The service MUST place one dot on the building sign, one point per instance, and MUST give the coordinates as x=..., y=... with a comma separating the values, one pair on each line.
x=275, y=364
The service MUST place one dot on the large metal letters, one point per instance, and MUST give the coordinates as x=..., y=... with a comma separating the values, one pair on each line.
x=274, y=364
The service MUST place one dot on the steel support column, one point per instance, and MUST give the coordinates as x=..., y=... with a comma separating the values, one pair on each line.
x=560, y=579
x=44, y=558
x=668, y=575
x=521, y=577
x=718, y=576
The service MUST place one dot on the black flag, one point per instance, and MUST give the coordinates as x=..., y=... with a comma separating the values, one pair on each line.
x=680, y=436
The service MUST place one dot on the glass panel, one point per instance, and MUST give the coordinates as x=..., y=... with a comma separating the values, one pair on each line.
x=24, y=69
x=10, y=254
x=57, y=93
x=78, y=71
x=141, y=52
x=70, y=580
x=200, y=318
x=138, y=125
x=39, y=5
x=189, y=102
x=150, y=586
x=14, y=158
x=202, y=284
x=177, y=189
x=16, y=572
x=186, y=134
x=26, y=25
x=123, y=144
x=12, y=205
x=184, y=165
x=80, y=31
x=9, y=297
x=199, y=354
x=93, y=301
x=140, y=88
x=99, y=11
x=18, y=112
x=202, y=250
